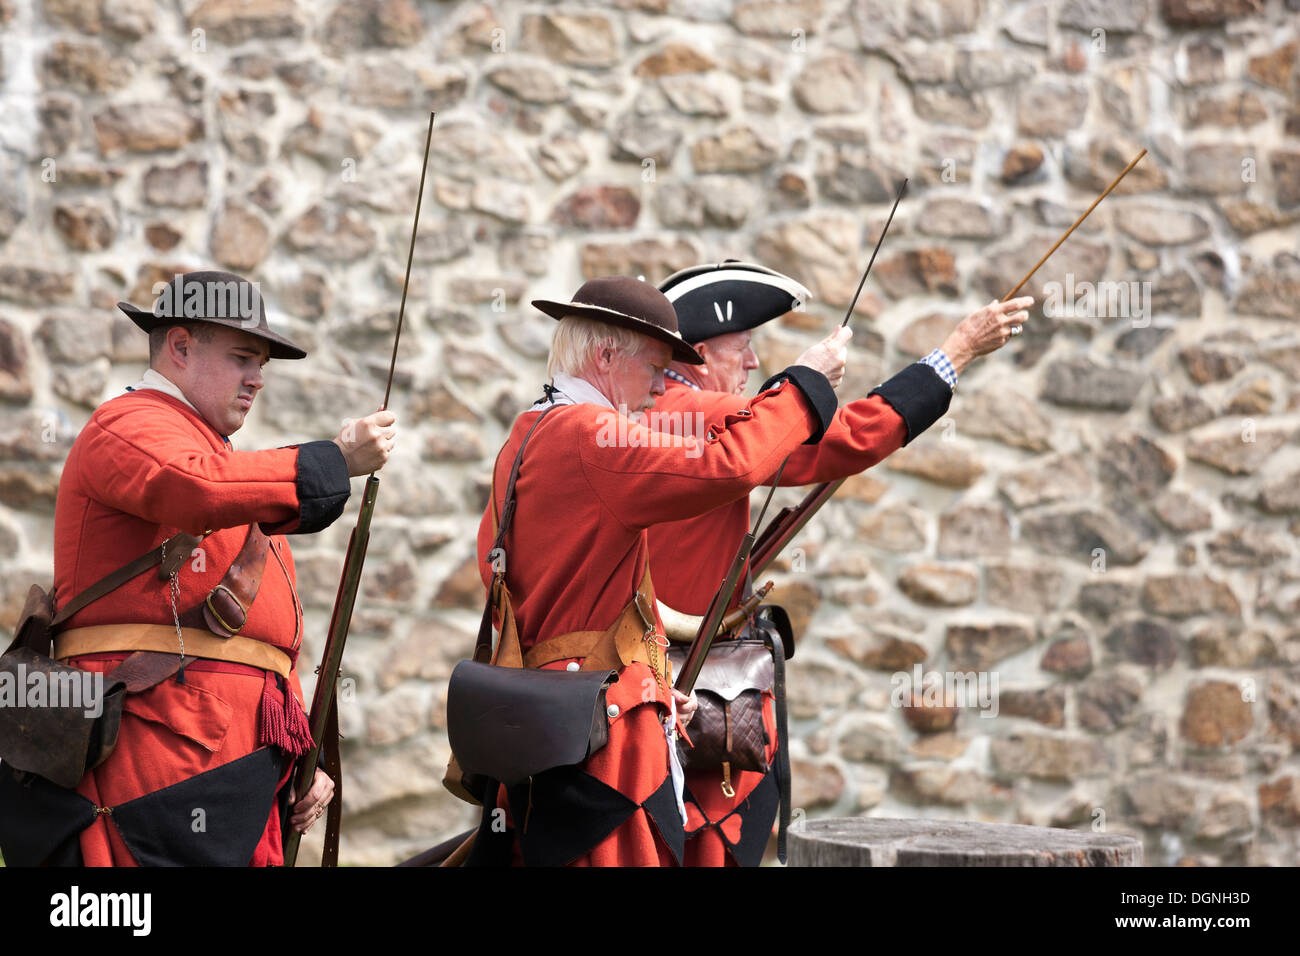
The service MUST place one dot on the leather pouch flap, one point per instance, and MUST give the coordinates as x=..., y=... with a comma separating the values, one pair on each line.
x=509, y=723
x=731, y=668
x=49, y=716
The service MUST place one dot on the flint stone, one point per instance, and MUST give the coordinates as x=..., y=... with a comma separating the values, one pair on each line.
x=870, y=741
x=1069, y=657
x=693, y=96
x=638, y=138
x=1237, y=452
x=1160, y=225
x=1246, y=547
x=331, y=234
x=1058, y=478
x=656, y=259
x=598, y=207
x=1050, y=108
x=1079, y=532
x=1222, y=644
x=737, y=149
x=930, y=269
x=1095, y=166
x=372, y=23
x=1033, y=589
x=831, y=84
x=978, y=646
x=87, y=226
x=144, y=128
x=1207, y=13
x=238, y=21
x=950, y=786
x=673, y=59
x=240, y=239
x=815, y=784
x=1188, y=595
x=817, y=687
x=1243, y=109
x=576, y=39
x=938, y=104
x=939, y=462
x=1214, y=715
x=1272, y=290
x=1178, y=413
x=1182, y=512
x=939, y=585
x=1045, y=757
x=1083, y=383
x=1005, y=416
x=1157, y=800
x=879, y=652
x=880, y=24
x=1134, y=463
x=1146, y=642
x=530, y=82
x=331, y=138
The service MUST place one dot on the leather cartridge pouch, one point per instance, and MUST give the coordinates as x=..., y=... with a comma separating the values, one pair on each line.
x=58, y=721
x=728, y=724
x=507, y=724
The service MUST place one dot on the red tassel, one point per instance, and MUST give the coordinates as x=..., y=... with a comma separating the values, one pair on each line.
x=284, y=724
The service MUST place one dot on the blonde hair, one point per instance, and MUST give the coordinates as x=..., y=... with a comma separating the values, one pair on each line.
x=577, y=339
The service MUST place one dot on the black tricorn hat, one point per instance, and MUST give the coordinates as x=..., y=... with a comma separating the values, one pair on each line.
x=729, y=296
x=630, y=304
x=221, y=298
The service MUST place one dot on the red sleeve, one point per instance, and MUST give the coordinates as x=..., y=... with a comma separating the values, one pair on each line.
x=861, y=434
x=158, y=473
x=644, y=477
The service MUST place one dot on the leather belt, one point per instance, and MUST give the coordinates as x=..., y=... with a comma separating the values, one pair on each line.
x=159, y=637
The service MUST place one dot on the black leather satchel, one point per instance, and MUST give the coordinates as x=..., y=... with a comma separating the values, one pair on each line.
x=508, y=724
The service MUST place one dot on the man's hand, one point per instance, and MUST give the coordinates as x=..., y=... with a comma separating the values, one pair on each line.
x=686, y=706
x=829, y=356
x=309, y=809
x=367, y=442
x=985, y=330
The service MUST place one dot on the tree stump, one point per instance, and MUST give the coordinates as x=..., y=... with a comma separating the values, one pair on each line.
x=863, y=841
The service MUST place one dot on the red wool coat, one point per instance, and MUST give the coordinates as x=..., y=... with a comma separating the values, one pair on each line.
x=144, y=467
x=689, y=559
x=577, y=550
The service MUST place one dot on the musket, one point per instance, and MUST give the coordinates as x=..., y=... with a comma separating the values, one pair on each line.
x=788, y=521
x=324, y=718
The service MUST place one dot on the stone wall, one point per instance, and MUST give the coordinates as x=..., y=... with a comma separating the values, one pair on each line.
x=1104, y=524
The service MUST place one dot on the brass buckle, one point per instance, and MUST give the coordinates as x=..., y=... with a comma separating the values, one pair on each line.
x=232, y=631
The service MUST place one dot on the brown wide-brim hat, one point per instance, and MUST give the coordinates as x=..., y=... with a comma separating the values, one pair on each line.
x=629, y=304
x=221, y=298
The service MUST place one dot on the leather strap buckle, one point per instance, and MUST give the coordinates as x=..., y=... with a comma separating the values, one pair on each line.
x=232, y=631
x=647, y=613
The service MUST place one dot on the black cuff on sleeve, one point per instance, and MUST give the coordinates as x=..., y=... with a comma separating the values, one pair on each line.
x=919, y=395
x=323, y=485
x=816, y=389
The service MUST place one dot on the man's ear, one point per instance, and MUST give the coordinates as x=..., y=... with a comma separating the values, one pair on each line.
x=179, y=344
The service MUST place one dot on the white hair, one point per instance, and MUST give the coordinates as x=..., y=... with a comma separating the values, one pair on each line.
x=577, y=340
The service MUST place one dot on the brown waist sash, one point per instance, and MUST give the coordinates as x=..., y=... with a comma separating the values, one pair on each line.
x=128, y=638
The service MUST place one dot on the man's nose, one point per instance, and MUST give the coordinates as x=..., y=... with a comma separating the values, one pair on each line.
x=657, y=384
x=751, y=358
x=254, y=379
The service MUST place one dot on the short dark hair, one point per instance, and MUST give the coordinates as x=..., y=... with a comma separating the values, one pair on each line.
x=202, y=331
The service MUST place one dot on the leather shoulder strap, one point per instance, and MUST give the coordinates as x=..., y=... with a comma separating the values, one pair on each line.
x=175, y=549
x=497, y=554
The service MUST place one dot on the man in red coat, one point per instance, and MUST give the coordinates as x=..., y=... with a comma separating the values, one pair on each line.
x=718, y=306
x=201, y=756
x=592, y=480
